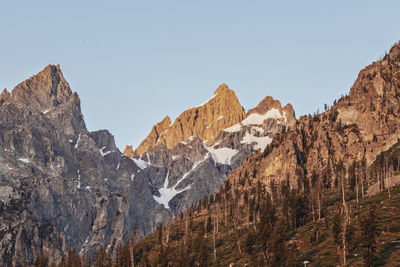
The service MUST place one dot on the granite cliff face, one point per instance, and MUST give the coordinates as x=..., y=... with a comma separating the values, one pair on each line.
x=204, y=121
x=61, y=185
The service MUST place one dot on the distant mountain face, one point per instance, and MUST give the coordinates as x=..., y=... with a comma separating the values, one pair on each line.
x=190, y=158
x=64, y=187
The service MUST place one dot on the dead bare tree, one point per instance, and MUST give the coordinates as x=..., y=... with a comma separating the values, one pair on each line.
x=186, y=228
x=131, y=252
x=215, y=251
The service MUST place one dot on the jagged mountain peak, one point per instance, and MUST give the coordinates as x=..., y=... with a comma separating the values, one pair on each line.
x=43, y=91
x=371, y=81
x=205, y=121
x=265, y=105
x=3, y=96
x=395, y=49
x=290, y=114
x=271, y=104
x=63, y=180
x=128, y=151
x=47, y=93
x=151, y=140
x=222, y=89
x=4, y=92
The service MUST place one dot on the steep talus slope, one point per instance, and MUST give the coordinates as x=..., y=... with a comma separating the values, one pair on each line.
x=62, y=186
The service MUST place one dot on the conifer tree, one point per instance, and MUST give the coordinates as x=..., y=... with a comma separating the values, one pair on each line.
x=369, y=230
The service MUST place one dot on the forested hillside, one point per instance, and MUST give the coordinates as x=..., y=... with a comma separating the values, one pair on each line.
x=245, y=224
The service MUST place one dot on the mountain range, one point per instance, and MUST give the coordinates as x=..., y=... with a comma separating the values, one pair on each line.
x=257, y=187
x=325, y=191
x=64, y=187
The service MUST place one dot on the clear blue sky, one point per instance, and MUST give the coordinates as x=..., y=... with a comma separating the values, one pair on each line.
x=133, y=62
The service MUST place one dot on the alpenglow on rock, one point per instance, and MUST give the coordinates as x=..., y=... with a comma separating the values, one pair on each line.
x=205, y=121
x=183, y=172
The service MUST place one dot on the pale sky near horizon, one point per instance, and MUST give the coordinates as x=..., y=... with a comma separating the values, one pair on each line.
x=134, y=62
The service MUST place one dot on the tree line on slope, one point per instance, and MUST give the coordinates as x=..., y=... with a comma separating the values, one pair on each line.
x=258, y=220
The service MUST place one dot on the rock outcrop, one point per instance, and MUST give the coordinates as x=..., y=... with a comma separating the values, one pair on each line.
x=356, y=128
x=204, y=121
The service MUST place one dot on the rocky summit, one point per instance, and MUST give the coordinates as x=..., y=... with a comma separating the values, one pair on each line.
x=61, y=186
x=204, y=121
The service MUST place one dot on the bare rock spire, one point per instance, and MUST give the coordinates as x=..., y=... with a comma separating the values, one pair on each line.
x=205, y=121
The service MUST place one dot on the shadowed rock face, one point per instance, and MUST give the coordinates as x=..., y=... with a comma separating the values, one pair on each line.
x=62, y=186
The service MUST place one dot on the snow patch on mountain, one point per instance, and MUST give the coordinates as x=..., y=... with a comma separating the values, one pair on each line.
x=222, y=155
x=234, y=128
x=24, y=160
x=104, y=153
x=77, y=142
x=166, y=193
x=257, y=119
x=79, y=180
x=260, y=141
x=141, y=163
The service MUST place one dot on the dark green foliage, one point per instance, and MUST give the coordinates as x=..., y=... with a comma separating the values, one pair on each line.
x=73, y=259
x=266, y=224
x=160, y=234
x=278, y=251
x=337, y=228
x=209, y=226
x=369, y=236
x=250, y=242
x=254, y=173
x=100, y=260
x=40, y=261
